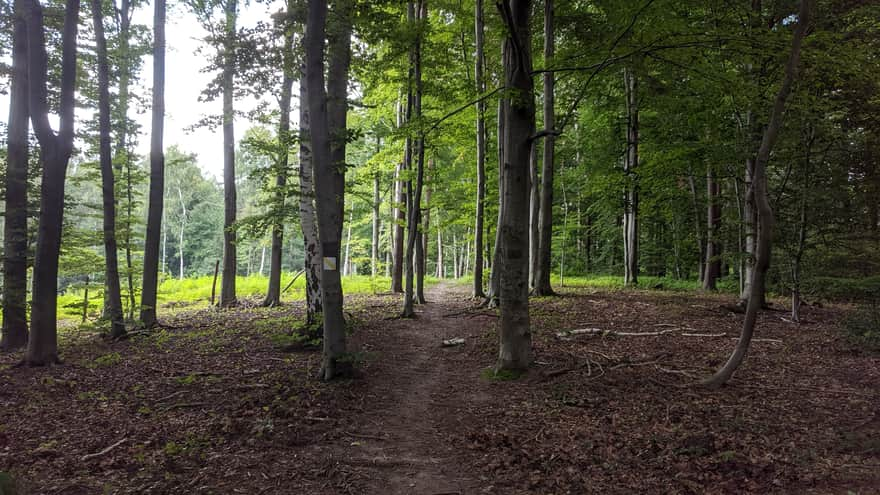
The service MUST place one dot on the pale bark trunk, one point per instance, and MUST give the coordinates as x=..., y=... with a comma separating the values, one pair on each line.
x=150, y=281
x=631, y=162
x=545, y=216
x=492, y=298
x=230, y=258
x=112, y=294
x=307, y=216
x=181, y=273
x=346, y=264
x=374, y=244
x=55, y=151
x=762, y=202
x=515, y=350
x=15, y=229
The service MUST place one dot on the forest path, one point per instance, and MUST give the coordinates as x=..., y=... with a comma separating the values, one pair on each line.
x=416, y=391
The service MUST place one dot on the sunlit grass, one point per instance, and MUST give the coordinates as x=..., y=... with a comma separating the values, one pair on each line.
x=195, y=293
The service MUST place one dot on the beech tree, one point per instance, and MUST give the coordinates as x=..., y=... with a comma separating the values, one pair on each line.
x=545, y=215
x=55, y=151
x=762, y=202
x=112, y=294
x=327, y=111
x=519, y=129
x=479, y=28
x=157, y=173
x=307, y=215
x=15, y=231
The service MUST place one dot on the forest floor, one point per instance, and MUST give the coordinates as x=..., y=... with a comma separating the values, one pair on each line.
x=211, y=405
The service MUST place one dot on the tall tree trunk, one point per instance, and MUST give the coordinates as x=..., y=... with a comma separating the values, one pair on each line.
x=327, y=111
x=374, y=244
x=440, y=272
x=631, y=162
x=698, y=229
x=108, y=188
x=346, y=263
x=545, y=217
x=55, y=151
x=762, y=202
x=399, y=203
x=415, y=191
x=123, y=160
x=492, y=298
x=230, y=258
x=424, y=228
x=515, y=351
x=307, y=216
x=157, y=173
x=534, y=215
x=273, y=293
x=15, y=232
x=479, y=28
x=713, y=246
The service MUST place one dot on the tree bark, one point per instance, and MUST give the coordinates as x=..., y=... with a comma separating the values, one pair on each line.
x=112, y=294
x=307, y=216
x=230, y=257
x=545, y=216
x=55, y=151
x=157, y=173
x=327, y=111
x=273, y=292
x=414, y=220
x=492, y=298
x=479, y=28
x=15, y=232
x=713, y=246
x=374, y=241
x=762, y=202
x=399, y=203
x=631, y=162
x=515, y=351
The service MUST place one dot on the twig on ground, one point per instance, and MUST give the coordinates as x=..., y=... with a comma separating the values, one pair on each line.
x=175, y=394
x=104, y=452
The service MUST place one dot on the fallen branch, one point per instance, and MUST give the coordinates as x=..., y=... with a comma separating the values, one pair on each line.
x=175, y=394
x=453, y=342
x=704, y=335
x=598, y=331
x=104, y=452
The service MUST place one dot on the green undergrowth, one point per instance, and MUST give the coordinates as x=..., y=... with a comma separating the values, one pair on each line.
x=862, y=326
x=195, y=293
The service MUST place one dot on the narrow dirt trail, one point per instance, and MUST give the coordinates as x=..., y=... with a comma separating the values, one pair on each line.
x=399, y=443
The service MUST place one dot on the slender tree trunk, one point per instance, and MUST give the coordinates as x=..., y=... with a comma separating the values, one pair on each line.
x=424, y=228
x=230, y=258
x=399, y=202
x=415, y=207
x=180, y=243
x=374, y=251
x=713, y=246
x=762, y=202
x=515, y=351
x=15, y=231
x=346, y=264
x=492, y=299
x=479, y=28
x=273, y=293
x=440, y=272
x=307, y=216
x=545, y=217
x=108, y=188
x=157, y=173
x=123, y=160
x=55, y=151
x=534, y=215
x=631, y=162
x=698, y=229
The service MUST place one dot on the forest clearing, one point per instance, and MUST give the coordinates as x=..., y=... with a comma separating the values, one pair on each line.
x=211, y=405
x=440, y=248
